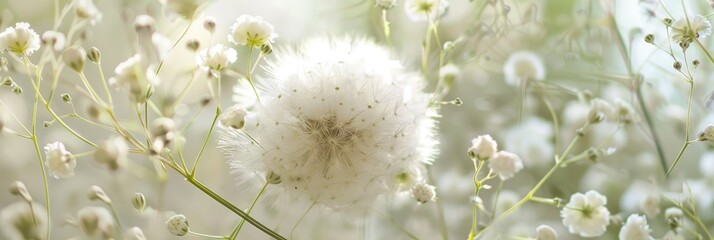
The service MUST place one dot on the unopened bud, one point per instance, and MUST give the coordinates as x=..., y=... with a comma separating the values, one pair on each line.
x=457, y=102
x=649, y=38
x=17, y=90
x=46, y=124
x=7, y=81
x=193, y=44
x=18, y=188
x=677, y=65
x=66, y=98
x=74, y=58
x=139, y=202
x=94, y=55
x=144, y=24
x=667, y=21
x=684, y=45
x=96, y=193
x=209, y=23
x=266, y=49
x=593, y=154
x=178, y=225
x=696, y=62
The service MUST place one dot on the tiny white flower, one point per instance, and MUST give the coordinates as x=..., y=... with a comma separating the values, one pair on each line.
x=523, y=66
x=184, y=8
x=163, y=128
x=112, y=152
x=635, y=228
x=424, y=193
x=53, y=39
x=133, y=75
x=19, y=221
x=586, y=214
x=545, y=232
x=234, y=117
x=96, y=221
x=600, y=110
x=673, y=213
x=650, y=205
x=85, y=9
x=216, y=57
x=624, y=111
x=686, y=30
x=707, y=134
x=386, y=4
x=20, y=39
x=59, y=161
x=505, y=164
x=252, y=31
x=135, y=233
x=423, y=10
x=483, y=147
x=178, y=225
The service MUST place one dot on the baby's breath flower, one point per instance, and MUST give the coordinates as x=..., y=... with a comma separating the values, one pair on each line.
x=216, y=57
x=650, y=205
x=112, y=152
x=54, y=40
x=19, y=188
x=586, y=214
x=74, y=58
x=97, y=193
x=545, y=232
x=85, y=9
x=599, y=110
x=635, y=228
x=178, y=225
x=340, y=121
x=505, y=164
x=386, y=4
x=423, y=10
x=449, y=73
x=234, y=117
x=133, y=75
x=96, y=221
x=135, y=233
x=163, y=128
x=686, y=30
x=523, y=66
x=23, y=220
x=625, y=112
x=424, y=193
x=193, y=44
x=674, y=217
x=252, y=31
x=209, y=23
x=59, y=161
x=20, y=39
x=482, y=148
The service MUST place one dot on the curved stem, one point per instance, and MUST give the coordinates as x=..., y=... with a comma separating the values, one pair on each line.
x=235, y=232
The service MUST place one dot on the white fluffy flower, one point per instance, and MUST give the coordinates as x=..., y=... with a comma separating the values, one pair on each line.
x=53, y=39
x=178, y=225
x=635, y=228
x=523, y=66
x=340, y=121
x=112, y=152
x=252, y=31
x=85, y=9
x=483, y=147
x=20, y=39
x=234, y=117
x=422, y=10
x=424, y=193
x=19, y=221
x=545, y=232
x=59, y=161
x=96, y=221
x=216, y=57
x=505, y=164
x=686, y=30
x=586, y=214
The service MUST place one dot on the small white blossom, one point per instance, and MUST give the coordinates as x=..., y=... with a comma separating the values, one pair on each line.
x=449, y=73
x=423, y=10
x=686, y=30
x=97, y=193
x=135, y=233
x=112, y=152
x=85, y=9
x=252, y=31
x=505, y=164
x=20, y=39
x=135, y=76
x=523, y=66
x=178, y=225
x=650, y=205
x=600, y=110
x=483, y=147
x=586, y=214
x=234, y=117
x=707, y=134
x=545, y=232
x=424, y=193
x=59, y=161
x=624, y=111
x=216, y=57
x=96, y=221
x=53, y=39
x=386, y=4
x=635, y=228
x=19, y=221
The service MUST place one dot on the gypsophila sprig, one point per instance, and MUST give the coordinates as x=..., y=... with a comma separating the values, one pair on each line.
x=340, y=120
x=216, y=58
x=483, y=148
x=423, y=193
x=686, y=30
x=635, y=228
x=20, y=39
x=586, y=214
x=252, y=31
x=505, y=164
x=59, y=161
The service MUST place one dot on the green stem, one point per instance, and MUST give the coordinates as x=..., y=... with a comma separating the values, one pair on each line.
x=205, y=141
x=686, y=130
x=237, y=229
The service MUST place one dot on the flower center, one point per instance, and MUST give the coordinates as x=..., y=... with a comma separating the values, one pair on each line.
x=335, y=140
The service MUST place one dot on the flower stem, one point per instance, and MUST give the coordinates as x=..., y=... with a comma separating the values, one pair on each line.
x=205, y=141
x=237, y=229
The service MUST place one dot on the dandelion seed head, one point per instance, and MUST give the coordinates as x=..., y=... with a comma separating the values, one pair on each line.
x=340, y=122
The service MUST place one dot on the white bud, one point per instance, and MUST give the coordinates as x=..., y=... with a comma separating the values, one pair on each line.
x=707, y=134
x=135, y=233
x=53, y=39
x=545, y=232
x=209, y=23
x=18, y=188
x=599, y=110
x=59, y=161
x=139, y=202
x=234, y=117
x=144, y=24
x=482, y=148
x=424, y=193
x=74, y=58
x=97, y=193
x=386, y=4
x=112, y=152
x=178, y=225
x=95, y=221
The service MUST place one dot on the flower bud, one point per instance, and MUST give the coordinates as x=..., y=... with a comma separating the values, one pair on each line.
x=667, y=21
x=46, y=124
x=7, y=81
x=112, y=152
x=677, y=65
x=649, y=38
x=209, y=23
x=707, y=134
x=17, y=90
x=18, y=188
x=482, y=148
x=193, y=44
x=684, y=45
x=234, y=117
x=54, y=40
x=74, y=58
x=135, y=233
x=266, y=49
x=273, y=178
x=144, y=24
x=96, y=193
x=386, y=4
x=696, y=62
x=178, y=225
x=139, y=202
x=424, y=193
x=66, y=98
x=94, y=55
x=599, y=110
